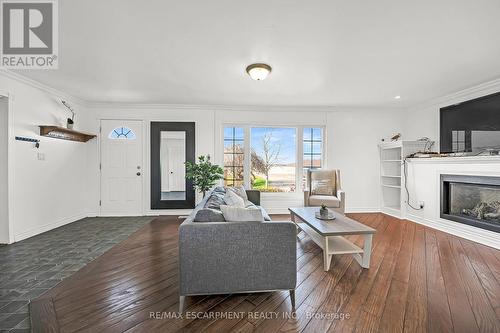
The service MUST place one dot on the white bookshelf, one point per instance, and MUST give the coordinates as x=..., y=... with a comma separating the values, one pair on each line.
x=393, y=195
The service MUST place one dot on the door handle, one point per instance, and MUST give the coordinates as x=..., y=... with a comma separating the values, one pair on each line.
x=138, y=174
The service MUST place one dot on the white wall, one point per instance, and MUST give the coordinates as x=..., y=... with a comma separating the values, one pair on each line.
x=424, y=185
x=423, y=176
x=353, y=138
x=65, y=187
x=204, y=119
x=423, y=120
x=4, y=209
x=45, y=194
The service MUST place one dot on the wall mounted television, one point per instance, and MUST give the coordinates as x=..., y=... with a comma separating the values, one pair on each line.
x=471, y=127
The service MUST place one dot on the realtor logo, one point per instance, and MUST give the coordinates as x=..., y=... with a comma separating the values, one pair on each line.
x=29, y=34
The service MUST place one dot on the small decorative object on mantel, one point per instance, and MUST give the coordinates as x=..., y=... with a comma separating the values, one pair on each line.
x=70, y=121
x=204, y=174
x=492, y=151
x=396, y=137
x=62, y=133
x=325, y=214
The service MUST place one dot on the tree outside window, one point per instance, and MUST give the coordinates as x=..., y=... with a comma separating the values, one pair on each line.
x=272, y=151
x=273, y=164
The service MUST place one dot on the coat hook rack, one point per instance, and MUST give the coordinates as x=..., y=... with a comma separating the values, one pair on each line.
x=35, y=141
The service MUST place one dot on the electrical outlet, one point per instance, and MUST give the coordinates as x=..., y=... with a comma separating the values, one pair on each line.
x=41, y=156
x=421, y=204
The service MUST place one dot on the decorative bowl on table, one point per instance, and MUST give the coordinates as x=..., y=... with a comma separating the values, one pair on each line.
x=327, y=217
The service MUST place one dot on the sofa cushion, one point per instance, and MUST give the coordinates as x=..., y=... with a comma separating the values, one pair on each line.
x=239, y=190
x=241, y=214
x=328, y=200
x=209, y=215
x=233, y=199
x=219, y=189
x=216, y=199
x=264, y=213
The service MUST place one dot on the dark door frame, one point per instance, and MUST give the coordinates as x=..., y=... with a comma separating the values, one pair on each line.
x=8, y=164
x=156, y=129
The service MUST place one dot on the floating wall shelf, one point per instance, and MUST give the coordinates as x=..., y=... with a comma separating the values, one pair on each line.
x=62, y=133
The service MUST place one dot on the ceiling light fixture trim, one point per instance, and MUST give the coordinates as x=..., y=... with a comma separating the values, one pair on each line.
x=258, y=71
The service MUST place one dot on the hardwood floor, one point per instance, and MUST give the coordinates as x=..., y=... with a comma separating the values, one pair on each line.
x=420, y=280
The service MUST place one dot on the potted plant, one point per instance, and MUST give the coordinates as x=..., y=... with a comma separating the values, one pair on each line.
x=70, y=122
x=323, y=211
x=203, y=174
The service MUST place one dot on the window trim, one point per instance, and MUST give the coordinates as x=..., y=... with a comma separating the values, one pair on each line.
x=312, y=153
x=233, y=167
x=299, y=150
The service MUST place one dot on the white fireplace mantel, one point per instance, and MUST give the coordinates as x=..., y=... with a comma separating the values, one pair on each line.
x=423, y=183
x=457, y=160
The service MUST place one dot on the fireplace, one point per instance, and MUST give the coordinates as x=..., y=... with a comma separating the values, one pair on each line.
x=473, y=200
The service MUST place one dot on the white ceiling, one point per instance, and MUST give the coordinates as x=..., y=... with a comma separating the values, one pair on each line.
x=324, y=53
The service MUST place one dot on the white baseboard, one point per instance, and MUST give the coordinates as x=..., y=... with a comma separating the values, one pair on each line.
x=168, y=212
x=280, y=210
x=362, y=210
x=277, y=210
x=46, y=227
x=485, y=237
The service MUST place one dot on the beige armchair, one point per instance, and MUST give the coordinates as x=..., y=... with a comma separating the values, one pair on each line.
x=324, y=187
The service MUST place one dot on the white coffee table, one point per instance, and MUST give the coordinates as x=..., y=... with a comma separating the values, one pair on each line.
x=329, y=235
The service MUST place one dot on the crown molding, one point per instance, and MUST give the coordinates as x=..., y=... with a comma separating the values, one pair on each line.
x=41, y=86
x=237, y=108
x=206, y=107
x=445, y=100
x=201, y=107
x=472, y=92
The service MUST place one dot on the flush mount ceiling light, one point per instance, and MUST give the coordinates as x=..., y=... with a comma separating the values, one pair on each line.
x=258, y=72
x=397, y=97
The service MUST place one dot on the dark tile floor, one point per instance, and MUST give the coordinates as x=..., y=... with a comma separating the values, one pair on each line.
x=31, y=267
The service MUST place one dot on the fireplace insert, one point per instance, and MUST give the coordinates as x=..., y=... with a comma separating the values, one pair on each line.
x=473, y=200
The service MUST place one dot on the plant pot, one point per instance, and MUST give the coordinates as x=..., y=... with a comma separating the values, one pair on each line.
x=324, y=213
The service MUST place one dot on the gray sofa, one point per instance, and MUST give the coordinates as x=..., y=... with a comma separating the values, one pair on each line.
x=236, y=257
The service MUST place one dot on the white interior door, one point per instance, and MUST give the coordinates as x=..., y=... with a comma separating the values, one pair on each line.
x=177, y=170
x=121, y=167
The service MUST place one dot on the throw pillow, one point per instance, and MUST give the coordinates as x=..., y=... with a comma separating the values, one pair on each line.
x=232, y=199
x=239, y=214
x=209, y=215
x=221, y=189
x=239, y=190
x=266, y=216
x=321, y=187
x=216, y=199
